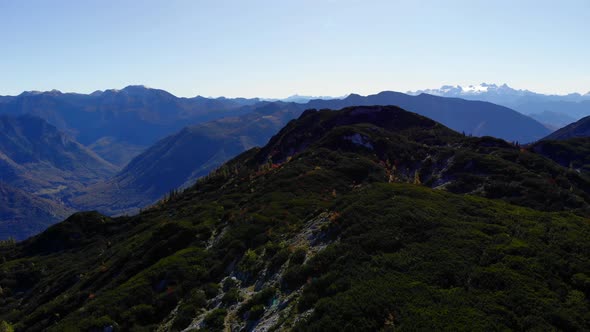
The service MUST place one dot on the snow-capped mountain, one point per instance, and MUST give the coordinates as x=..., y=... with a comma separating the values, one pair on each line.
x=551, y=110
x=484, y=90
x=480, y=89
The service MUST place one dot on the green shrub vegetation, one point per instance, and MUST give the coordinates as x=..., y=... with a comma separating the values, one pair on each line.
x=375, y=218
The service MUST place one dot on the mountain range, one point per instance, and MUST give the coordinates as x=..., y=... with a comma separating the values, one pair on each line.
x=178, y=160
x=472, y=117
x=487, y=91
x=555, y=111
x=130, y=119
x=371, y=217
x=137, y=143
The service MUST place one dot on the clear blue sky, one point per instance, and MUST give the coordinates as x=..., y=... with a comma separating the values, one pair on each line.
x=276, y=48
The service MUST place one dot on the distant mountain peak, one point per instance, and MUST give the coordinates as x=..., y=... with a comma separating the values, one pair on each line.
x=491, y=90
x=30, y=93
x=141, y=91
x=53, y=92
x=130, y=89
x=471, y=90
x=137, y=87
x=356, y=95
x=137, y=90
x=302, y=99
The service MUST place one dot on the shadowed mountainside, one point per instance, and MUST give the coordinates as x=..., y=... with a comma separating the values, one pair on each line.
x=179, y=160
x=471, y=117
x=131, y=119
x=580, y=128
x=41, y=168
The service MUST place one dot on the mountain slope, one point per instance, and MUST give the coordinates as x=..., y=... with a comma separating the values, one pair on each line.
x=553, y=120
x=580, y=128
x=568, y=146
x=334, y=223
x=472, y=117
x=47, y=167
x=28, y=139
x=438, y=157
x=553, y=110
x=180, y=159
x=134, y=116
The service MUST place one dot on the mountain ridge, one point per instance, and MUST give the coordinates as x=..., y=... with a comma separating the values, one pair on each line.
x=207, y=145
x=133, y=116
x=580, y=128
x=473, y=117
x=177, y=161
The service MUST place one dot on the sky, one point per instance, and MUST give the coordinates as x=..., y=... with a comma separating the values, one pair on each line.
x=278, y=48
